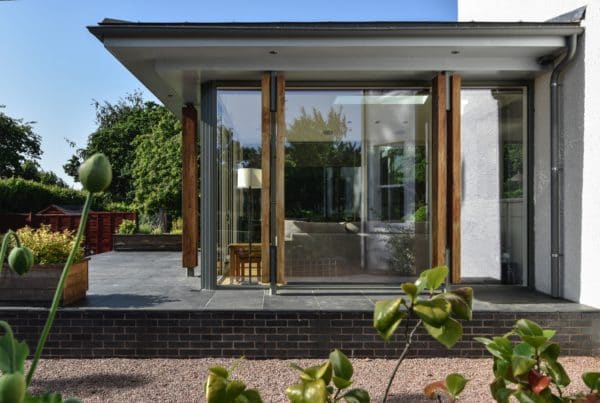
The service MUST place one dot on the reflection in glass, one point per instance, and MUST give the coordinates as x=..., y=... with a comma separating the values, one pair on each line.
x=239, y=187
x=355, y=185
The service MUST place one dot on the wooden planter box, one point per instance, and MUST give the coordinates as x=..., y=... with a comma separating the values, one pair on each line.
x=39, y=284
x=144, y=242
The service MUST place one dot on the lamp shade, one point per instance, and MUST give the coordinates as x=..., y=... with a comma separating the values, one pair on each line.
x=249, y=178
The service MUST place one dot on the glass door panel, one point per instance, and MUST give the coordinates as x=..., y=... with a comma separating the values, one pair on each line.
x=494, y=213
x=239, y=187
x=356, y=191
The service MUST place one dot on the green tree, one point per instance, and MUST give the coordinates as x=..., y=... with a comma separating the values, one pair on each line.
x=32, y=171
x=119, y=125
x=156, y=168
x=18, y=144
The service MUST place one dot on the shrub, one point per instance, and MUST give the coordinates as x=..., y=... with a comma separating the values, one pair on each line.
x=19, y=195
x=421, y=214
x=127, y=227
x=118, y=206
x=145, y=228
x=177, y=226
x=49, y=247
x=529, y=370
x=328, y=382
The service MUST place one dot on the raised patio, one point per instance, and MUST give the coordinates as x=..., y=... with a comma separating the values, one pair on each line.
x=141, y=304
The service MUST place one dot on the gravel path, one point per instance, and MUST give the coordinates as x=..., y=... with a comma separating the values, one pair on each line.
x=167, y=380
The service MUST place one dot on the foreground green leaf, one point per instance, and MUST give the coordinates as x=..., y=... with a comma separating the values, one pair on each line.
x=499, y=390
x=499, y=347
x=342, y=367
x=526, y=327
x=411, y=290
x=317, y=372
x=387, y=316
x=526, y=396
x=49, y=398
x=550, y=351
x=249, y=396
x=460, y=307
x=12, y=353
x=12, y=388
x=234, y=389
x=521, y=365
x=357, y=396
x=556, y=372
x=591, y=380
x=215, y=389
x=432, y=278
x=447, y=334
x=433, y=312
x=455, y=383
x=219, y=371
x=466, y=293
x=307, y=392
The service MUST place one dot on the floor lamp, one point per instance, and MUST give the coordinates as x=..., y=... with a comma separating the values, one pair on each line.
x=249, y=178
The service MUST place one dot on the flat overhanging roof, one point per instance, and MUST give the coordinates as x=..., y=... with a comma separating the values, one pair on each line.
x=172, y=59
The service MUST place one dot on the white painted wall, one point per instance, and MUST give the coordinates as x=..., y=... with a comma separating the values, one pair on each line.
x=581, y=116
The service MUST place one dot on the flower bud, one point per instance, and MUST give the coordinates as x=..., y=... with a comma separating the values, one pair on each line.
x=20, y=260
x=12, y=387
x=95, y=173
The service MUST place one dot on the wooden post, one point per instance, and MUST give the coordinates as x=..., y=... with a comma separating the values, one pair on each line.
x=189, y=196
x=438, y=171
x=280, y=179
x=454, y=177
x=265, y=192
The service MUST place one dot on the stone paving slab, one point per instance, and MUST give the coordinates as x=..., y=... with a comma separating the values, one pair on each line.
x=156, y=281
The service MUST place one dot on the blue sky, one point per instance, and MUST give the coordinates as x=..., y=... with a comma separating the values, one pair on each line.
x=51, y=67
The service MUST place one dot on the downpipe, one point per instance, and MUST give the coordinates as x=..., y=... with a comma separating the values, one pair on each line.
x=556, y=186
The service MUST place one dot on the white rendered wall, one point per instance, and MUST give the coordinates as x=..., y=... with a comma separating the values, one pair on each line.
x=581, y=128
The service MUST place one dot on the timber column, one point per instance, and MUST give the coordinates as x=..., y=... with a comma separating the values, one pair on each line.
x=189, y=194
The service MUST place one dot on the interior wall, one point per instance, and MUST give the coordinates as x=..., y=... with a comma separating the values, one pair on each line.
x=480, y=206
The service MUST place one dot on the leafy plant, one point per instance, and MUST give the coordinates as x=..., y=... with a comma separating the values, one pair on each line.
x=437, y=312
x=50, y=247
x=219, y=388
x=316, y=383
x=13, y=382
x=450, y=388
x=421, y=214
x=529, y=370
x=127, y=227
x=402, y=255
x=326, y=383
x=177, y=226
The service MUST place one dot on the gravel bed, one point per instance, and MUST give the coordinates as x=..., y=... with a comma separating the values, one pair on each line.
x=171, y=380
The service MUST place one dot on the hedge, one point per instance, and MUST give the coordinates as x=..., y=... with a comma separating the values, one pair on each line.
x=19, y=195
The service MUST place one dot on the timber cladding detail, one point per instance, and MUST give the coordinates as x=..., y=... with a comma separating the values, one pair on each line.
x=269, y=334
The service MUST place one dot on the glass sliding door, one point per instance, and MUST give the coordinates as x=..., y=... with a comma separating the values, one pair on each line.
x=356, y=190
x=239, y=187
x=494, y=213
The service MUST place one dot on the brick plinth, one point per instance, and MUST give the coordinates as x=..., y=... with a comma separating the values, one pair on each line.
x=268, y=334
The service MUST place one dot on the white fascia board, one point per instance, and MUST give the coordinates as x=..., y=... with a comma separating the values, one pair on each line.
x=446, y=41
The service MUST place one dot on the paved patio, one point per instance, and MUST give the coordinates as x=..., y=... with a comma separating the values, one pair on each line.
x=155, y=280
